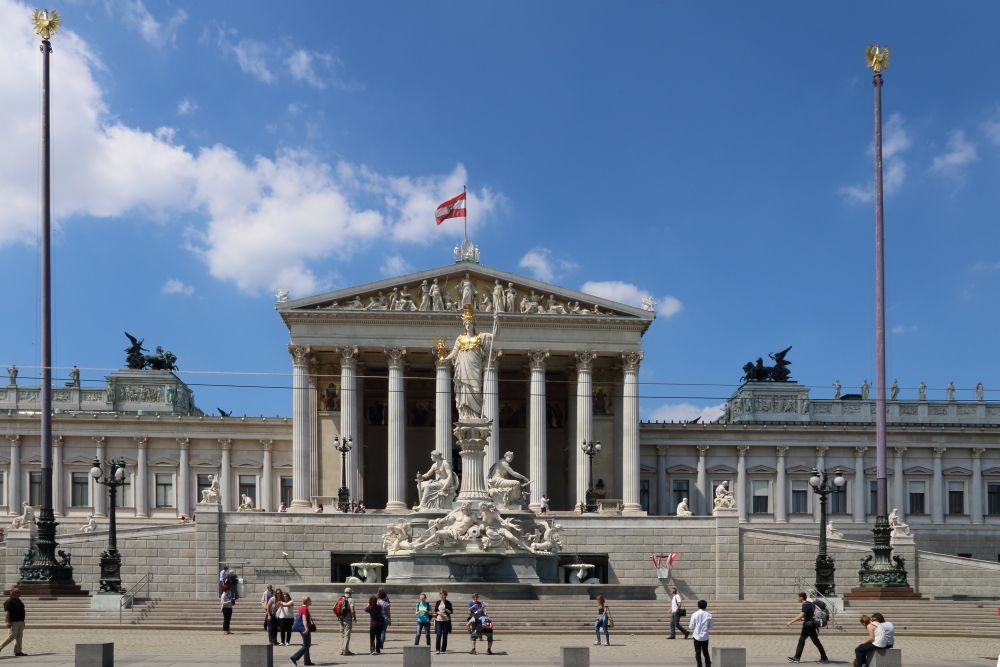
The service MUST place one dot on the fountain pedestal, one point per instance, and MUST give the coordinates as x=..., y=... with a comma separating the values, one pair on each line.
x=472, y=436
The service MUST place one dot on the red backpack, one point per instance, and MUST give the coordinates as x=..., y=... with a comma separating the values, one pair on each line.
x=340, y=609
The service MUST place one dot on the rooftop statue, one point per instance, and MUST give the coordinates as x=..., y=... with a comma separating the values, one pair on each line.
x=137, y=361
x=761, y=373
x=468, y=356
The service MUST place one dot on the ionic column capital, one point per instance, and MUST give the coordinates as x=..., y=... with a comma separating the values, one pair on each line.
x=396, y=356
x=898, y=452
x=661, y=450
x=58, y=440
x=631, y=361
x=348, y=356
x=536, y=359
x=742, y=450
x=859, y=452
x=977, y=452
x=300, y=354
x=142, y=442
x=268, y=445
x=585, y=361
x=15, y=440
x=226, y=443
x=185, y=443
x=821, y=450
x=781, y=450
x=99, y=440
x=702, y=450
x=938, y=452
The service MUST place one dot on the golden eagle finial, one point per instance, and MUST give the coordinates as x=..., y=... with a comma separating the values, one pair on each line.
x=877, y=57
x=46, y=22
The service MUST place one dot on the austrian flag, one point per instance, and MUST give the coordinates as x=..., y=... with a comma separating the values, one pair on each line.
x=453, y=208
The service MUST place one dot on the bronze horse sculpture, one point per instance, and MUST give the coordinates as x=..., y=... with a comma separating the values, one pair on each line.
x=760, y=373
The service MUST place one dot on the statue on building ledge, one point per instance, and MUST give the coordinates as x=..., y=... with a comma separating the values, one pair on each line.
x=210, y=496
x=899, y=528
x=438, y=486
x=26, y=518
x=724, y=498
x=683, y=509
x=832, y=533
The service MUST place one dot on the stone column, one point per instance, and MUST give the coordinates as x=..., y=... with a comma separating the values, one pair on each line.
x=442, y=409
x=741, y=481
x=780, y=490
x=349, y=413
x=537, y=468
x=313, y=383
x=226, y=476
x=59, y=484
x=899, y=482
x=584, y=420
x=101, y=496
x=300, y=426
x=630, y=432
x=397, y=431
x=820, y=466
x=662, y=506
x=14, y=476
x=183, y=497
x=701, y=485
x=859, y=484
x=937, y=488
x=267, y=476
x=140, y=492
x=491, y=408
x=359, y=437
x=618, y=401
x=977, y=486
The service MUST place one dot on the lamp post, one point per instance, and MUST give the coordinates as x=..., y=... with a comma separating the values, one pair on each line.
x=344, y=495
x=590, y=449
x=111, y=560
x=825, y=567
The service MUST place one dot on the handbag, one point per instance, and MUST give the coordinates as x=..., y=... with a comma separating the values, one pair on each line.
x=312, y=627
x=682, y=612
x=298, y=625
x=611, y=622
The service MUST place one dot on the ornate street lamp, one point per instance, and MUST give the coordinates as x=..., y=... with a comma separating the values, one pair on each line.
x=824, y=564
x=344, y=495
x=111, y=560
x=590, y=449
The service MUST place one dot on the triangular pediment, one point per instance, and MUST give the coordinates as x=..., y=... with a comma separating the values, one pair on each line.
x=992, y=471
x=761, y=470
x=205, y=463
x=404, y=296
x=682, y=470
x=163, y=461
x=799, y=470
x=722, y=470
x=918, y=470
x=78, y=461
x=873, y=470
x=957, y=470
x=247, y=463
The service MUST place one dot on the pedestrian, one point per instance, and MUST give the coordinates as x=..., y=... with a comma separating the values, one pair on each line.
x=875, y=639
x=543, y=504
x=809, y=630
x=265, y=603
x=281, y=507
x=13, y=616
x=442, y=622
x=223, y=576
x=286, y=617
x=344, y=610
x=701, y=624
x=480, y=627
x=304, y=626
x=375, y=624
x=383, y=602
x=677, y=611
x=603, y=621
x=475, y=608
x=423, y=613
x=273, y=621
x=227, y=608
x=890, y=630
x=319, y=508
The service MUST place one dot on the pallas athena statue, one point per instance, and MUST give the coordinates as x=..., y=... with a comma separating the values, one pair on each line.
x=468, y=356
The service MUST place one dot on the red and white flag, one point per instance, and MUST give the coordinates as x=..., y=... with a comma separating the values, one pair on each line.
x=662, y=564
x=453, y=208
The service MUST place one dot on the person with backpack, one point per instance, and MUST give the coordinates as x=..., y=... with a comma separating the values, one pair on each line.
x=810, y=629
x=423, y=613
x=344, y=611
x=701, y=624
x=480, y=627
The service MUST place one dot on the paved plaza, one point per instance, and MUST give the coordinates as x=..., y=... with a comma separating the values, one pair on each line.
x=161, y=648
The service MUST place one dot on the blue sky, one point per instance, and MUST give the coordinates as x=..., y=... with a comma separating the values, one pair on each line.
x=715, y=153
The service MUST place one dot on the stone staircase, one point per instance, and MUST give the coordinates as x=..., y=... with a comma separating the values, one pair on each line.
x=915, y=619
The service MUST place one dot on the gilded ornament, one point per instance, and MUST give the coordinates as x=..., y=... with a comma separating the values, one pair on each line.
x=46, y=22
x=877, y=57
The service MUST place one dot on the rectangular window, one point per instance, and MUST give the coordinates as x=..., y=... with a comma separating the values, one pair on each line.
x=993, y=499
x=800, y=497
x=838, y=500
x=203, y=483
x=644, y=495
x=81, y=489
x=759, y=496
x=286, y=490
x=123, y=498
x=681, y=489
x=248, y=487
x=164, y=490
x=917, y=498
x=34, y=489
x=956, y=497
x=873, y=497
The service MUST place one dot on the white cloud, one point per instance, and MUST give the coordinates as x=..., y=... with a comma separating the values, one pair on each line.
x=251, y=55
x=186, y=107
x=685, y=412
x=902, y=328
x=395, y=266
x=895, y=140
x=301, y=65
x=960, y=153
x=135, y=14
x=627, y=293
x=543, y=266
x=264, y=221
x=174, y=286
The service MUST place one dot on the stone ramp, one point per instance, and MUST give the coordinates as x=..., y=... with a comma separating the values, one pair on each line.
x=640, y=617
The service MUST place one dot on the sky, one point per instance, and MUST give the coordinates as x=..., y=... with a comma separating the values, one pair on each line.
x=716, y=155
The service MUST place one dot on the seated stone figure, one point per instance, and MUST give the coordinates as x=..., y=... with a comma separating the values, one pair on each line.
x=210, y=496
x=683, y=509
x=246, y=503
x=832, y=533
x=897, y=525
x=505, y=486
x=438, y=486
x=497, y=531
x=90, y=526
x=724, y=498
x=26, y=519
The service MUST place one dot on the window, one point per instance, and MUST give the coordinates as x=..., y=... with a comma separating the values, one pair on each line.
x=917, y=498
x=993, y=498
x=123, y=498
x=644, y=495
x=81, y=489
x=800, y=497
x=164, y=490
x=35, y=488
x=248, y=486
x=873, y=496
x=759, y=496
x=838, y=500
x=956, y=497
x=286, y=491
x=203, y=483
x=681, y=489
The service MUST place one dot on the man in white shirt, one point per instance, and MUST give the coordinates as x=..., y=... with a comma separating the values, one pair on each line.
x=890, y=631
x=676, y=611
x=700, y=624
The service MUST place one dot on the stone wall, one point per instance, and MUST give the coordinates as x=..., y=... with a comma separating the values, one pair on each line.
x=941, y=576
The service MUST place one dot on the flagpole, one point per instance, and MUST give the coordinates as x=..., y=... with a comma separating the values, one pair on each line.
x=465, y=218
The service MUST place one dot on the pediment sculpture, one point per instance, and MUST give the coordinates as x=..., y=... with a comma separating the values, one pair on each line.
x=724, y=498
